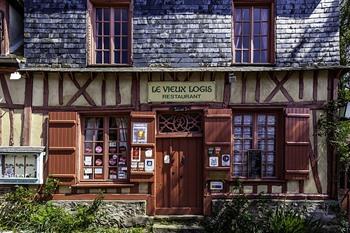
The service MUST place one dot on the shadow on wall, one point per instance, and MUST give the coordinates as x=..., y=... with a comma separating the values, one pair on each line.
x=297, y=8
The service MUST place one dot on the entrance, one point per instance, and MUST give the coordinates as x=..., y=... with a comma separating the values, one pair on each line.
x=179, y=184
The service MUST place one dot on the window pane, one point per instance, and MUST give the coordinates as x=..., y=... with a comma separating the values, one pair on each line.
x=238, y=29
x=264, y=28
x=99, y=57
x=256, y=58
x=264, y=42
x=245, y=56
x=238, y=120
x=256, y=28
x=89, y=135
x=238, y=14
x=117, y=56
x=116, y=29
x=264, y=14
x=256, y=14
x=125, y=28
x=117, y=14
x=247, y=120
x=99, y=42
x=125, y=42
x=245, y=14
x=117, y=42
x=99, y=28
x=246, y=29
x=90, y=123
x=261, y=119
x=238, y=56
x=106, y=28
x=238, y=42
x=124, y=14
x=256, y=42
x=106, y=42
x=271, y=120
x=106, y=14
x=246, y=42
x=106, y=57
x=264, y=57
x=98, y=14
x=125, y=57
x=238, y=132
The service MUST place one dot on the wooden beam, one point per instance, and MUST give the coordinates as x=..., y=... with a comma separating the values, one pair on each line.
x=279, y=86
x=6, y=91
x=134, y=90
x=27, y=113
x=313, y=154
x=11, y=142
x=244, y=88
x=301, y=84
x=60, y=88
x=117, y=89
x=257, y=87
x=81, y=90
x=46, y=90
x=227, y=90
x=315, y=85
x=103, y=90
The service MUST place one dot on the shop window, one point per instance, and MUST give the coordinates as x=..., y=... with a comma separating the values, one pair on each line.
x=111, y=34
x=254, y=145
x=106, y=155
x=253, y=34
x=20, y=165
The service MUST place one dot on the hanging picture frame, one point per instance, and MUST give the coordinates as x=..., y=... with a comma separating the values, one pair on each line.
x=136, y=154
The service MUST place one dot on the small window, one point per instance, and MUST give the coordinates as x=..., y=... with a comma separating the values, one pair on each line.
x=254, y=145
x=112, y=34
x=106, y=153
x=252, y=34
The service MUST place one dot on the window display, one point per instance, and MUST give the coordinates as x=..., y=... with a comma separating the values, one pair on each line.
x=105, y=148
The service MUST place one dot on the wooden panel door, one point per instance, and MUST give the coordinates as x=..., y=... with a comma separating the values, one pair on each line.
x=179, y=183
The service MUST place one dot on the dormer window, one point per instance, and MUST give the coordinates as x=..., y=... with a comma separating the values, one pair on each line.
x=111, y=34
x=253, y=33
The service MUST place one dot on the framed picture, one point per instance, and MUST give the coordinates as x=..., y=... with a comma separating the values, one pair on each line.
x=98, y=171
x=148, y=153
x=141, y=166
x=136, y=154
x=88, y=160
x=133, y=165
x=213, y=161
x=225, y=160
x=139, y=132
x=149, y=165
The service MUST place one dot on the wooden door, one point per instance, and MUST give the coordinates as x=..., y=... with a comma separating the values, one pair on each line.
x=179, y=183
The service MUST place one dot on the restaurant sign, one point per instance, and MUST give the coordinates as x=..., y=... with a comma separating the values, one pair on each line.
x=181, y=91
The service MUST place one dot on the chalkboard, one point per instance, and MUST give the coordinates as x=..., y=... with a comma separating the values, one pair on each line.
x=254, y=163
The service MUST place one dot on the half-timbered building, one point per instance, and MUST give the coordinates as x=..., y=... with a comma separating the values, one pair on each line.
x=169, y=103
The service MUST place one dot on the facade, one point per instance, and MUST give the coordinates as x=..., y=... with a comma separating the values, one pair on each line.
x=170, y=103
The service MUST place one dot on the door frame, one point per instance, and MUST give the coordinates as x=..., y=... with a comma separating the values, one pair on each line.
x=181, y=210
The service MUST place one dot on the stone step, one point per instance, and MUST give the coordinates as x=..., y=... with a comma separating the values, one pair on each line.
x=177, y=228
x=178, y=218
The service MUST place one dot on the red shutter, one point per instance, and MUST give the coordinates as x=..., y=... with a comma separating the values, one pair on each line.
x=297, y=143
x=62, y=144
x=217, y=126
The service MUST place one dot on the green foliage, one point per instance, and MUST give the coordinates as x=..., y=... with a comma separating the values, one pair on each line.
x=240, y=215
x=344, y=31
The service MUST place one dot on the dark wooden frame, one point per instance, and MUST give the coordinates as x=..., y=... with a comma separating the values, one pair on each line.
x=279, y=134
x=105, y=180
x=92, y=47
x=271, y=50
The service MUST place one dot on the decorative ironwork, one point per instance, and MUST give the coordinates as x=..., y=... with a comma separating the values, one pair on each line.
x=180, y=122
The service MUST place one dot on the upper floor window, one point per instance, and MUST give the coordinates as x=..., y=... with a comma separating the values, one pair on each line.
x=253, y=34
x=111, y=35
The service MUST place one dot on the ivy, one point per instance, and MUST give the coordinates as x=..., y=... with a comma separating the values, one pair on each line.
x=344, y=31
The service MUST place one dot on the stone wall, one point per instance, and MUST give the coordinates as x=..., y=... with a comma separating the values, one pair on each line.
x=114, y=213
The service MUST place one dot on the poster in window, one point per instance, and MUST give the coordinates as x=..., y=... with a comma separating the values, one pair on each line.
x=31, y=166
x=98, y=171
x=254, y=163
x=139, y=133
x=133, y=165
x=136, y=154
x=19, y=166
x=148, y=153
x=149, y=165
x=225, y=160
x=122, y=175
x=88, y=161
x=141, y=166
x=213, y=161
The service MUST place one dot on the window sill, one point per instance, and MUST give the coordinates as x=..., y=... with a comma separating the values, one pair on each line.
x=110, y=65
x=253, y=64
x=101, y=185
x=267, y=180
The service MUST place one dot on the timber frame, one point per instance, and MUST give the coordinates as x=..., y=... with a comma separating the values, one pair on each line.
x=83, y=79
